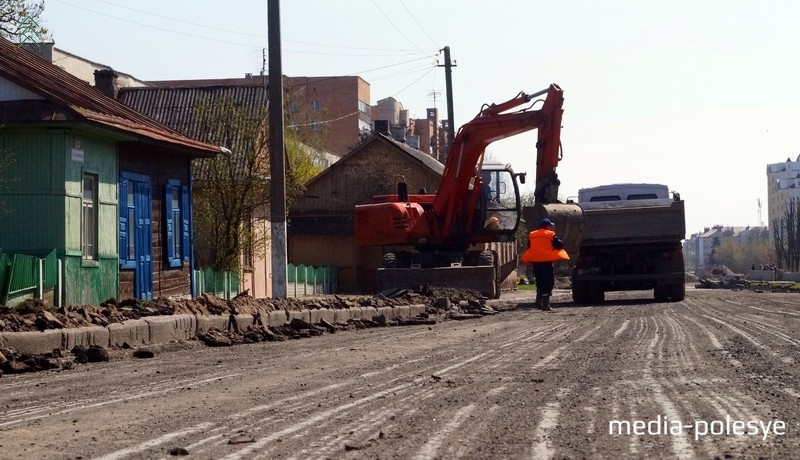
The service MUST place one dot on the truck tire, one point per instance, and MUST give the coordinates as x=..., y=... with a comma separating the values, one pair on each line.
x=587, y=292
x=661, y=292
x=596, y=293
x=678, y=292
x=580, y=293
x=674, y=292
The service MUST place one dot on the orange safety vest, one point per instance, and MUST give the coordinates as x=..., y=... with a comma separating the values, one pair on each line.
x=541, y=248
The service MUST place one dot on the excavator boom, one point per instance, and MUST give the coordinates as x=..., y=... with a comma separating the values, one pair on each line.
x=447, y=230
x=454, y=206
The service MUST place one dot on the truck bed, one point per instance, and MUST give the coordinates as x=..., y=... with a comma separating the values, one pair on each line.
x=615, y=222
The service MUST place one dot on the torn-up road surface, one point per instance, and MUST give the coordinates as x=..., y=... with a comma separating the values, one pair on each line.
x=713, y=376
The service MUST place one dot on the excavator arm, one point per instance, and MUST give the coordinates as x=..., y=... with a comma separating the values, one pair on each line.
x=454, y=205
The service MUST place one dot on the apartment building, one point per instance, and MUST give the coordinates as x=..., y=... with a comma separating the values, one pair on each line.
x=338, y=108
x=783, y=184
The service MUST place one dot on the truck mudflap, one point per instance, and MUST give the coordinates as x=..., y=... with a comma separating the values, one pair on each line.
x=482, y=279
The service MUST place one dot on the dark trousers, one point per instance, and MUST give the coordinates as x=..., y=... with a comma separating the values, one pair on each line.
x=545, y=275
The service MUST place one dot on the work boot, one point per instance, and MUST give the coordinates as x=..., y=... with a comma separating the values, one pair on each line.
x=545, y=306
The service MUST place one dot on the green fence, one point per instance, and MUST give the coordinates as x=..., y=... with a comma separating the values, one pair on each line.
x=222, y=284
x=24, y=276
x=306, y=280
x=302, y=280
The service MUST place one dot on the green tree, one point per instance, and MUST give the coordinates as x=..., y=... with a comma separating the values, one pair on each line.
x=13, y=14
x=739, y=253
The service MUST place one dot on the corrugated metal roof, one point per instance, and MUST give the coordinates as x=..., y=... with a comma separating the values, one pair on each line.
x=55, y=84
x=176, y=106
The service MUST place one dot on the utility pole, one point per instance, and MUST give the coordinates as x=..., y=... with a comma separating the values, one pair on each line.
x=277, y=164
x=448, y=78
x=435, y=143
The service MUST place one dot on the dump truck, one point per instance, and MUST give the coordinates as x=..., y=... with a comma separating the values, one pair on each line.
x=437, y=238
x=631, y=240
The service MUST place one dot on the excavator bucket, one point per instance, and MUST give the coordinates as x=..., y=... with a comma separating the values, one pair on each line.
x=477, y=278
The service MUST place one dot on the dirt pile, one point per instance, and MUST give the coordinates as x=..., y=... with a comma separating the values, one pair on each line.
x=441, y=303
x=34, y=315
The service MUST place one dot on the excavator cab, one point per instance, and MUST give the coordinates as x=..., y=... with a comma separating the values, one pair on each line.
x=499, y=208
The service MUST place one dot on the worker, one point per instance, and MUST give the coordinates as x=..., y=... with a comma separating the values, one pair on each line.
x=544, y=247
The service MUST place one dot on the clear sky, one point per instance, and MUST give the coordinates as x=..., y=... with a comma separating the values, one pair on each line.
x=698, y=95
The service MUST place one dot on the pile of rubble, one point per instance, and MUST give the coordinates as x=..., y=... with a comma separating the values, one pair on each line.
x=720, y=277
x=441, y=303
x=732, y=282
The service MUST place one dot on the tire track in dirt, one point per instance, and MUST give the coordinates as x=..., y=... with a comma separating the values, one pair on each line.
x=702, y=394
x=477, y=365
x=295, y=409
x=32, y=413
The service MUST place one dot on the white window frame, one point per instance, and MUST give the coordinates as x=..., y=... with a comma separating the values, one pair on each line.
x=89, y=217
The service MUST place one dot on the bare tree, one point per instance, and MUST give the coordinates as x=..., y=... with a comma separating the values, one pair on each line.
x=232, y=191
x=16, y=15
x=230, y=188
x=786, y=237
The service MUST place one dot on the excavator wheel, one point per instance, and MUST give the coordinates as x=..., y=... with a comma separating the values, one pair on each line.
x=489, y=258
x=389, y=260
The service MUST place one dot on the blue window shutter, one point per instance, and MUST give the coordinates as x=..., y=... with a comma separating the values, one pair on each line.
x=186, y=214
x=123, y=222
x=168, y=219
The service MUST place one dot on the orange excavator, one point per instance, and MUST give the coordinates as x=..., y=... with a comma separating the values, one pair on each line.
x=437, y=238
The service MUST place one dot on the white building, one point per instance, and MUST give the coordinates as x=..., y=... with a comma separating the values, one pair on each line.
x=783, y=183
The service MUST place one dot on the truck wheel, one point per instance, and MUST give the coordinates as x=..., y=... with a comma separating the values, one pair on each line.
x=580, y=293
x=662, y=292
x=596, y=293
x=678, y=292
x=389, y=260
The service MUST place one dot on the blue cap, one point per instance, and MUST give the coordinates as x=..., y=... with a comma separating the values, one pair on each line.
x=545, y=223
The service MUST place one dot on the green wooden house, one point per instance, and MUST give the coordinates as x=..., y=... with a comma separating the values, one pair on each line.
x=104, y=186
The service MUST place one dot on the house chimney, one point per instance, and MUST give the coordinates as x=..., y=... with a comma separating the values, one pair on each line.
x=382, y=127
x=43, y=50
x=106, y=81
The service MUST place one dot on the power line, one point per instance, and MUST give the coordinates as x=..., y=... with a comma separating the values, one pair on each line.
x=180, y=20
x=317, y=53
x=420, y=25
x=412, y=83
x=395, y=27
x=327, y=45
x=249, y=45
x=324, y=121
x=352, y=47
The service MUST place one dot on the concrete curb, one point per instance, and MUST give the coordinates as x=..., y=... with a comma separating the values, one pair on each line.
x=164, y=329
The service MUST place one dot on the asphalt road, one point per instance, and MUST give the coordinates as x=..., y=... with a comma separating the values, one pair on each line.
x=714, y=376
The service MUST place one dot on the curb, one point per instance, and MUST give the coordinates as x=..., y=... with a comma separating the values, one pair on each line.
x=154, y=330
